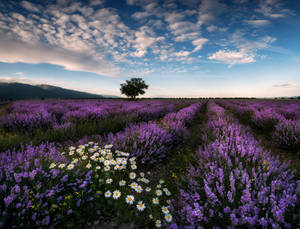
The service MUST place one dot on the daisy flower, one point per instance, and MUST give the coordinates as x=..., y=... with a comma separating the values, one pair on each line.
x=133, y=185
x=98, y=167
x=75, y=161
x=168, y=218
x=84, y=157
x=101, y=159
x=71, y=153
x=148, y=189
x=158, y=186
x=107, y=194
x=88, y=165
x=132, y=175
x=52, y=165
x=155, y=201
x=116, y=194
x=72, y=148
x=158, y=223
x=141, y=206
x=96, y=155
x=124, y=162
x=164, y=209
x=106, y=162
x=158, y=192
x=139, y=189
x=116, y=167
x=106, y=168
x=122, y=183
x=129, y=199
x=133, y=167
x=70, y=166
x=109, y=181
x=61, y=166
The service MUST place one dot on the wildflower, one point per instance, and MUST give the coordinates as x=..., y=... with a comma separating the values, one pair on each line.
x=129, y=199
x=116, y=167
x=124, y=162
x=122, y=183
x=96, y=155
x=101, y=159
x=108, y=146
x=148, y=189
x=52, y=165
x=61, y=166
x=84, y=157
x=132, y=175
x=71, y=148
x=106, y=168
x=106, y=162
x=116, y=194
x=68, y=197
x=109, y=181
x=71, y=153
x=75, y=161
x=158, y=186
x=151, y=216
x=88, y=165
x=98, y=167
x=165, y=209
x=133, y=167
x=94, y=158
x=139, y=189
x=141, y=206
x=70, y=166
x=155, y=201
x=142, y=174
x=158, y=192
x=133, y=185
x=107, y=194
x=168, y=218
x=158, y=223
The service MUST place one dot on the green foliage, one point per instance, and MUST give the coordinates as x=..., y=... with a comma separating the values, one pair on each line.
x=134, y=87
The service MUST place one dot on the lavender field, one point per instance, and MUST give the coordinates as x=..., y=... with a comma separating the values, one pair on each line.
x=224, y=163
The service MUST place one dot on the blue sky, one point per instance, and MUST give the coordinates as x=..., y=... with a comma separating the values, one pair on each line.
x=182, y=48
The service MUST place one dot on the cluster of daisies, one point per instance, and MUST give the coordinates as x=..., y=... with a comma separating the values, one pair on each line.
x=119, y=179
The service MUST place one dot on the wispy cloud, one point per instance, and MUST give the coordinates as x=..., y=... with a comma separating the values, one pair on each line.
x=233, y=57
x=258, y=22
x=285, y=85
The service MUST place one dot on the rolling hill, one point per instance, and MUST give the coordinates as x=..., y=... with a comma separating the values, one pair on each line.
x=17, y=91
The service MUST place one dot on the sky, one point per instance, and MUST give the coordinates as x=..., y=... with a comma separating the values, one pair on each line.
x=181, y=48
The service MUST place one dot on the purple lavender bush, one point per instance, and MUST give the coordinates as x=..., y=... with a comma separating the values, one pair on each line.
x=235, y=184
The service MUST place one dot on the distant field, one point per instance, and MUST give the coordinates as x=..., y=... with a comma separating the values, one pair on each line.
x=150, y=163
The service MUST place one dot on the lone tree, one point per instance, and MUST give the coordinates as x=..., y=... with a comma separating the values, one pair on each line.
x=134, y=87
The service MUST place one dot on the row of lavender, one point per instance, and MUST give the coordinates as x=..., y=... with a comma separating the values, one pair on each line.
x=281, y=118
x=233, y=183
x=35, y=191
x=56, y=114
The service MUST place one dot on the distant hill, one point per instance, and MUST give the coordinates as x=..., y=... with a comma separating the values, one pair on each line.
x=17, y=91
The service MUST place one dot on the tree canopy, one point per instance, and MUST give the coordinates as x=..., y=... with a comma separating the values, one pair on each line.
x=134, y=87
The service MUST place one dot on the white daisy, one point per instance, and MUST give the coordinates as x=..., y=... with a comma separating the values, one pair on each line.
x=158, y=192
x=155, y=201
x=132, y=175
x=84, y=157
x=98, y=167
x=164, y=209
x=89, y=165
x=116, y=194
x=141, y=206
x=106, y=162
x=122, y=183
x=106, y=168
x=133, y=185
x=70, y=166
x=61, y=166
x=129, y=199
x=107, y=194
x=158, y=223
x=52, y=165
x=71, y=153
x=101, y=159
x=168, y=218
x=139, y=189
x=109, y=181
x=75, y=161
x=133, y=167
x=148, y=189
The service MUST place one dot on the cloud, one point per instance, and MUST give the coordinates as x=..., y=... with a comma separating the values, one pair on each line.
x=258, y=23
x=182, y=53
x=273, y=9
x=285, y=85
x=199, y=43
x=15, y=51
x=233, y=57
x=29, y=6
